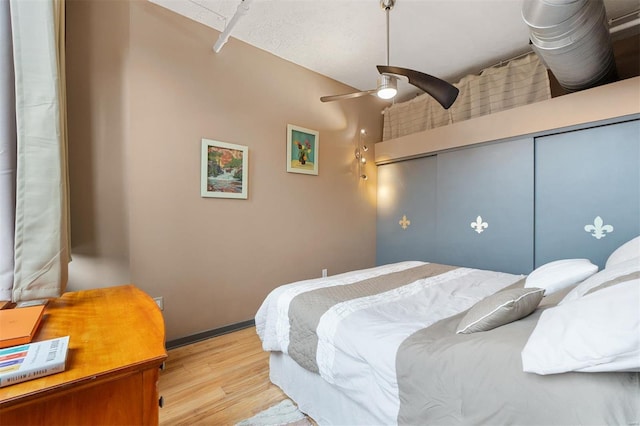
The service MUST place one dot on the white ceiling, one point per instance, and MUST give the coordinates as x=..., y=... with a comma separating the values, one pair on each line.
x=346, y=39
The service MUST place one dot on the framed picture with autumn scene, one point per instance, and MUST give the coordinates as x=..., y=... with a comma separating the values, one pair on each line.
x=224, y=170
x=302, y=150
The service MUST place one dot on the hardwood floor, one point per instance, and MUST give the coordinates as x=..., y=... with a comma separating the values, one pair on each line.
x=218, y=381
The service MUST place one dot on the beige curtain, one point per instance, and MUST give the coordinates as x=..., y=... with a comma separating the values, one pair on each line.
x=521, y=81
x=41, y=241
x=7, y=153
x=60, y=25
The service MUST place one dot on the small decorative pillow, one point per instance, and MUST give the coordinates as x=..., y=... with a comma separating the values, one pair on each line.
x=500, y=308
x=557, y=275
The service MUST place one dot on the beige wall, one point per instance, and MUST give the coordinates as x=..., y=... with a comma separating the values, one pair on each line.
x=97, y=46
x=146, y=88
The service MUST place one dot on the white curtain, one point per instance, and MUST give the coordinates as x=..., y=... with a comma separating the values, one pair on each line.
x=521, y=81
x=40, y=226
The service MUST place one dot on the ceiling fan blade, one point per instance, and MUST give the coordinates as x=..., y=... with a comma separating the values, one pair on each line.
x=440, y=90
x=347, y=96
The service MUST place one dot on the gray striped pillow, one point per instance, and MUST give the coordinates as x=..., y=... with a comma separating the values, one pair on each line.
x=500, y=308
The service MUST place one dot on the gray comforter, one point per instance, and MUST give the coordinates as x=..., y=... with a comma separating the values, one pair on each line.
x=477, y=379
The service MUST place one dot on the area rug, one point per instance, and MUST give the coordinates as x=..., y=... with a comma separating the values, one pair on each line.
x=284, y=413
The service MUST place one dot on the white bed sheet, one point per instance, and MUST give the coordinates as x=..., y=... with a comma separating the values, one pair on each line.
x=314, y=396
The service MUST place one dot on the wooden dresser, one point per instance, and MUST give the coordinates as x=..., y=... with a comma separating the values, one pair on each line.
x=116, y=348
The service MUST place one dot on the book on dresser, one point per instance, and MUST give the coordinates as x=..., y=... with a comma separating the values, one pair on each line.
x=19, y=325
x=37, y=359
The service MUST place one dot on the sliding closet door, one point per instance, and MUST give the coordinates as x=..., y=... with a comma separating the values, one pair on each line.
x=587, y=192
x=485, y=207
x=406, y=219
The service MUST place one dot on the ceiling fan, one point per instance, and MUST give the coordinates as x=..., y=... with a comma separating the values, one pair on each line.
x=387, y=87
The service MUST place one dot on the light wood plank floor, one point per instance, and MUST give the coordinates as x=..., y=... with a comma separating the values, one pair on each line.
x=218, y=381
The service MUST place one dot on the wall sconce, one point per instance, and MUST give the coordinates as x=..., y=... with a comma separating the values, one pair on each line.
x=359, y=154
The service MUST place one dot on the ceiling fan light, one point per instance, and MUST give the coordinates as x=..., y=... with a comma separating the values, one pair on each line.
x=387, y=93
x=387, y=86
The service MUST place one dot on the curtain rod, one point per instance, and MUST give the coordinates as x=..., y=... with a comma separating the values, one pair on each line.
x=506, y=61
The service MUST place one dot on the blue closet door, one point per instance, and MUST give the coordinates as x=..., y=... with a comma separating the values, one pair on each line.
x=485, y=207
x=587, y=192
x=406, y=190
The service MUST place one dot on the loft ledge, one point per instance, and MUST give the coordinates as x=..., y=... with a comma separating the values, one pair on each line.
x=599, y=104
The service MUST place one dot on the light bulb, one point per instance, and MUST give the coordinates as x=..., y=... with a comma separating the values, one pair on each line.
x=387, y=86
x=387, y=93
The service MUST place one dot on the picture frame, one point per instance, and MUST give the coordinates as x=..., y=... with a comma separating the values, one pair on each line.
x=224, y=171
x=302, y=150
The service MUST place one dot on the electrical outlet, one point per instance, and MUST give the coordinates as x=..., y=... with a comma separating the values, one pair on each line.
x=160, y=302
x=324, y=273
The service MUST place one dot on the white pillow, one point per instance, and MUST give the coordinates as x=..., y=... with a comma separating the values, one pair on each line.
x=557, y=275
x=606, y=275
x=627, y=251
x=598, y=332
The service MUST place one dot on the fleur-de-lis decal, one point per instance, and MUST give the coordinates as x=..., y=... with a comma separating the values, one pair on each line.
x=479, y=225
x=598, y=230
x=404, y=222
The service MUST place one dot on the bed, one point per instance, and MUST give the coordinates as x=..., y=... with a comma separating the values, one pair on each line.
x=422, y=343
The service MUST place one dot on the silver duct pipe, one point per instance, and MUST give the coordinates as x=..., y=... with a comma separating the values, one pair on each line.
x=572, y=38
